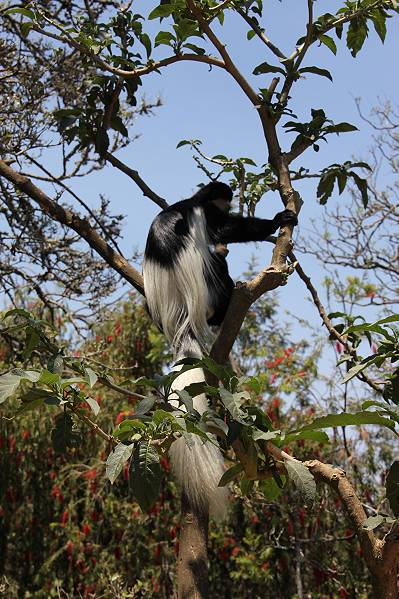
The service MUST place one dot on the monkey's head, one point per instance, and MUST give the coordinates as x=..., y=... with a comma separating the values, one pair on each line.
x=218, y=193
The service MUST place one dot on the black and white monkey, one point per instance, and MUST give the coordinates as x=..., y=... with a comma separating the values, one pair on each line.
x=188, y=288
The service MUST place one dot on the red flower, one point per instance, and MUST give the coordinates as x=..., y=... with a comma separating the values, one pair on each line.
x=69, y=548
x=90, y=474
x=64, y=518
x=86, y=529
x=339, y=348
x=25, y=435
x=109, y=338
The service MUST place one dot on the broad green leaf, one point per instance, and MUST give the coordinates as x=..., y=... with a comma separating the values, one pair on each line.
x=317, y=436
x=233, y=402
x=264, y=67
x=392, y=487
x=356, y=35
x=270, y=489
x=329, y=42
x=93, y=405
x=265, y=436
x=372, y=522
x=355, y=370
x=91, y=376
x=195, y=49
x=317, y=71
x=302, y=478
x=144, y=406
x=345, y=419
x=116, y=460
x=325, y=187
x=62, y=435
x=49, y=378
x=26, y=12
x=164, y=38
x=10, y=381
x=146, y=475
x=164, y=10
x=246, y=486
x=378, y=18
x=230, y=475
x=341, y=128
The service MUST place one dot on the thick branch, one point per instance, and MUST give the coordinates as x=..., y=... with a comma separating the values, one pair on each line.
x=147, y=191
x=77, y=224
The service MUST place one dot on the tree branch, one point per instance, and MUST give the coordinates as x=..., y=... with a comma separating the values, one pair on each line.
x=260, y=33
x=79, y=225
x=331, y=329
x=133, y=174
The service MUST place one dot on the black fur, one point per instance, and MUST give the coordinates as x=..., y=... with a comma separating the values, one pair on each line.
x=168, y=237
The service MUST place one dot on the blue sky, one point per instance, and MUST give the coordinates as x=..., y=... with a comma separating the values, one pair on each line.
x=198, y=103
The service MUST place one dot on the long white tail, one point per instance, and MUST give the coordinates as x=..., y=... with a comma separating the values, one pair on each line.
x=199, y=468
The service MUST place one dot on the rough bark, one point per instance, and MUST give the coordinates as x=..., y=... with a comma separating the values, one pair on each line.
x=192, y=571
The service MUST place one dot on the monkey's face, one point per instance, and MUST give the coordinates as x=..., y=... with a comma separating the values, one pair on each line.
x=222, y=203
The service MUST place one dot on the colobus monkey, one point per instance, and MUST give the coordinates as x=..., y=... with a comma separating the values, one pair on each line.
x=188, y=289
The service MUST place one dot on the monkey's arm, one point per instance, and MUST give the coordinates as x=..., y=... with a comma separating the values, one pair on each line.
x=238, y=229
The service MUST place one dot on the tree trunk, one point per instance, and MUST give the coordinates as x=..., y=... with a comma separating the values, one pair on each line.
x=192, y=571
x=386, y=585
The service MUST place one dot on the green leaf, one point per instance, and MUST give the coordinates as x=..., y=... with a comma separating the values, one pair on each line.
x=164, y=38
x=62, y=435
x=317, y=436
x=379, y=18
x=116, y=460
x=230, y=475
x=195, y=49
x=93, y=405
x=55, y=364
x=345, y=419
x=270, y=489
x=49, y=378
x=264, y=67
x=265, y=436
x=329, y=42
x=372, y=522
x=91, y=376
x=101, y=142
x=26, y=27
x=146, y=475
x=183, y=142
x=145, y=40
x=26, y=12
x=233, y=402
x=250, y=34
x=356, y=35
x=302, y=478
x=325, y=187
x=144, y=406
x=355, y=370
x=246, y=486
x=392, y=487
x=317, y=71
x=10, y=381
x=164, y=10
x=341, y=128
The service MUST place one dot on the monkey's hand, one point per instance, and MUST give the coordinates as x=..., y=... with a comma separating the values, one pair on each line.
x=286, y=217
